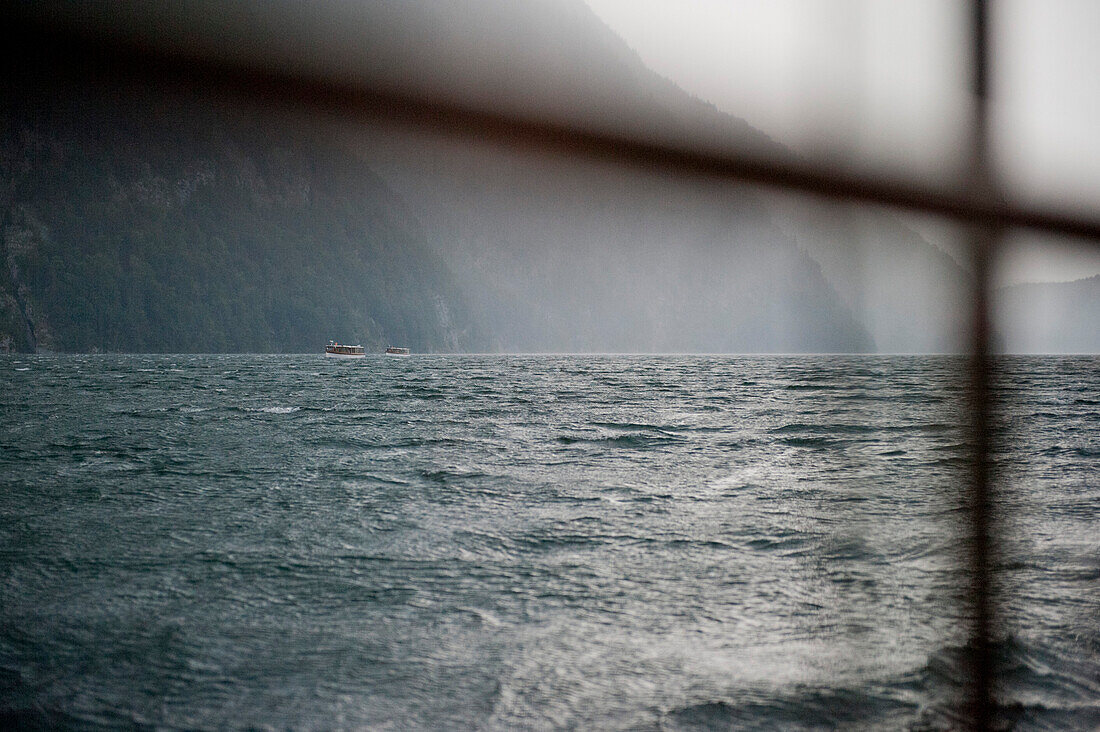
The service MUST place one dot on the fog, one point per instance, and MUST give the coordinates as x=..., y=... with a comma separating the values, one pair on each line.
x=514, y=249
x=883, y=86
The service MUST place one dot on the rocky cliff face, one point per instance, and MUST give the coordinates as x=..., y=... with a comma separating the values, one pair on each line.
x=132, y=227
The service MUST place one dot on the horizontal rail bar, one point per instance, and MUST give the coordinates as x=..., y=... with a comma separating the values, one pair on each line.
x=63, y=50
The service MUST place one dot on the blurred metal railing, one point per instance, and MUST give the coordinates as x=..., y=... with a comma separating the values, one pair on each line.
x=39, y=46
x=985, y=238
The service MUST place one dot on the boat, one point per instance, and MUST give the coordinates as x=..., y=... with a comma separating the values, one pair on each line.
x=338, y=350
x=397, y=351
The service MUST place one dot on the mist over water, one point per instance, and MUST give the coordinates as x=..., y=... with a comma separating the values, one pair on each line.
x=506, y=542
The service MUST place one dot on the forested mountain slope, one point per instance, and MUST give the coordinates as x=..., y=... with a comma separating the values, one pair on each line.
x=151, y=224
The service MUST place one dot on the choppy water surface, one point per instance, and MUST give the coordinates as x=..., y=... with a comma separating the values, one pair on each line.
x=531, y=542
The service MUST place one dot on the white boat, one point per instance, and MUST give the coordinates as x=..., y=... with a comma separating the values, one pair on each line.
x=397, y=351
x=338, y=350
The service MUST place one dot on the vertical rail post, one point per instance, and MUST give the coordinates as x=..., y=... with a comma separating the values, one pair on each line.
x=984, y=240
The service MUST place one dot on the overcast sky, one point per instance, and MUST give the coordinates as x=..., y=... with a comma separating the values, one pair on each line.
x=885, y=83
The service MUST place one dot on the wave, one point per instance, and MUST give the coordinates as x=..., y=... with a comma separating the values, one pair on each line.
x=780, y=544
x=815, y=442
x=667, y=429
x=271, y=410
x=450, y=476
x=636, y=441
x=799, y=708
x=1040, y=687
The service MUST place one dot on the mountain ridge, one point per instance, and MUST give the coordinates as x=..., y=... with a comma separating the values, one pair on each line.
x=527, y=277
x=138, y=228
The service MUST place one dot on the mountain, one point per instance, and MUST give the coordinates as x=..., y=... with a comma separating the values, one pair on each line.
x=873, y=282
x=1049, y=317
x=911, y=296
x=134, y=222
x=152, y=224
x=557, y=255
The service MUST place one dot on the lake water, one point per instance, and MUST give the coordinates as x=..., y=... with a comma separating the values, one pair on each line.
x=509, y=542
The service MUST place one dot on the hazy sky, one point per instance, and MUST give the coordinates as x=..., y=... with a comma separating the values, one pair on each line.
x=884, y=83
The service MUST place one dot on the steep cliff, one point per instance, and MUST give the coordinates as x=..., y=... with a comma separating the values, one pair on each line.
x=146, y=223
